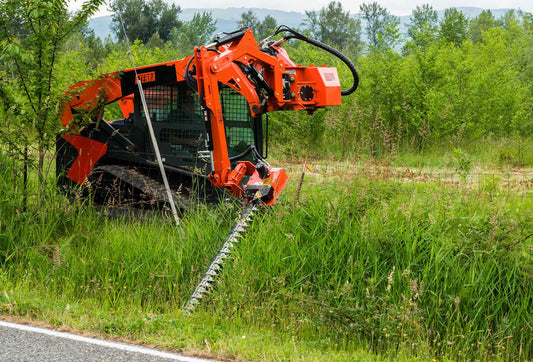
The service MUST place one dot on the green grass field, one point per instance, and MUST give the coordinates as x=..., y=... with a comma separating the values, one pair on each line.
x=409, y=258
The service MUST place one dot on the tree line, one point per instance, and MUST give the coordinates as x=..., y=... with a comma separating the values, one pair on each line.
x=444, y=78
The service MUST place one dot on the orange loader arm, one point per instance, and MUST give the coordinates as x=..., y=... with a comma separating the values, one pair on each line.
x=270, y=81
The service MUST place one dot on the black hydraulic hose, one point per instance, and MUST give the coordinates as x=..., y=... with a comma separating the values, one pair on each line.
x=242, y=155
x=251, y=149
x=191, y=81
x=335, y=52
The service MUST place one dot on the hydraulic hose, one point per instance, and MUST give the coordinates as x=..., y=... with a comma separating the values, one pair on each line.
x=329, y=49
x=188, y=76
x=191, y=81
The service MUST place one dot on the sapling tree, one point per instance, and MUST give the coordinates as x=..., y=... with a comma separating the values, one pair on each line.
x=29, y=50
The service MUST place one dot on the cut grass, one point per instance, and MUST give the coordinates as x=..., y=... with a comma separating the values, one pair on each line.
x=374, y=262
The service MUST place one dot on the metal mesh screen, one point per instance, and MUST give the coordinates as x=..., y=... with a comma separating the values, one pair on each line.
x=237, y=120
x=180, y=127
x=178, y=123
x=173, y=103
x=160, y=101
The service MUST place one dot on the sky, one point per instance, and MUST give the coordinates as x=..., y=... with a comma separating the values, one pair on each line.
x=396, y=7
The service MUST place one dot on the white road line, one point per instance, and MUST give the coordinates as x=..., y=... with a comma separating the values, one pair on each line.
x=99, y=342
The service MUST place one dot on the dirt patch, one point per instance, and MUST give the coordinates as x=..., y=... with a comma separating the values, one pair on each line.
x=518, y=179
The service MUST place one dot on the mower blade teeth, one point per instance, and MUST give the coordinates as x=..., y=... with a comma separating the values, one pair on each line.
x=224, y=253
x=197, y=295
x=204, y=283
x=231, y=244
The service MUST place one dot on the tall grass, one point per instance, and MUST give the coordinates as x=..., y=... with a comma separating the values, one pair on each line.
x=390, y=265
x=365, y=267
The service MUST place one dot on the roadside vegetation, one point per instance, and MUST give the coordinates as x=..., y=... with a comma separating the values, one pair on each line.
x=373, y=261
x=411, y=235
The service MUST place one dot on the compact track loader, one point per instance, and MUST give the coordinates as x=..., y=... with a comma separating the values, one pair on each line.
x=206, y=112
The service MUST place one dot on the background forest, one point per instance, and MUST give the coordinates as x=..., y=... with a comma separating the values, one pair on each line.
x=447, y=79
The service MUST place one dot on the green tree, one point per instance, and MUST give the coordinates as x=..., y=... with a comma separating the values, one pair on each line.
x=524, y=56
x=31, y=55
x=511, y=23
x=266, y=27
x=334, y=26
x=379, y=23
x=421, y=54
x=483, y=22
x=422, y=28
x=198, y=31
x=95, y=46
x=249, y=20
x=454, y=27
x=155, y=41
x=261, y=28
x=142, y=19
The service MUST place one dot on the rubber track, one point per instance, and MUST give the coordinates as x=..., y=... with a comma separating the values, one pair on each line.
x=147, y=185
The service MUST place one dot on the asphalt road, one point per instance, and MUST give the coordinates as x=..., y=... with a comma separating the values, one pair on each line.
x=25, y=343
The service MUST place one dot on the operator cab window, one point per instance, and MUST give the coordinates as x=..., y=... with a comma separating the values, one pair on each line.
x=178, y=123
x=242, y=130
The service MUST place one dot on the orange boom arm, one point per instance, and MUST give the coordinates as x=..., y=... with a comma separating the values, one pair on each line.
x=270, y=81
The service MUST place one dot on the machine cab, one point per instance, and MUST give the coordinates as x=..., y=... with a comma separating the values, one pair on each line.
x=181, y=129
